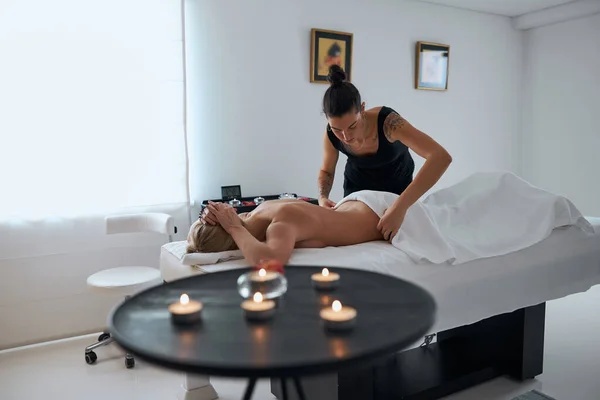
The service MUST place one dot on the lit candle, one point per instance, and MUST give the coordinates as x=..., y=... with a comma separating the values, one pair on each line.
x=263, y=275
x=325, y=280
x=185, y=311
x=258, y=308
x=268, y=279
x=262, y=281
x=338, y=317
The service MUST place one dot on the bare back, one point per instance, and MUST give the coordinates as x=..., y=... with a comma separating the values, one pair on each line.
x=351, y=223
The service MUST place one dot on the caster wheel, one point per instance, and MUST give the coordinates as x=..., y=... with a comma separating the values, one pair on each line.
x=90, y=357
x=103, y=336
x=129, y=362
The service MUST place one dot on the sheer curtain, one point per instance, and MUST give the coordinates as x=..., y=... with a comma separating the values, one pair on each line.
x=91, y=107
x=92, y=122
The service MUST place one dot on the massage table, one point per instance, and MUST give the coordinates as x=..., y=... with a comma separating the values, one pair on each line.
x=490, y=316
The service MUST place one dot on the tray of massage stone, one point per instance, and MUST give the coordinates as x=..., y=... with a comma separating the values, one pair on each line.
x=246, y=204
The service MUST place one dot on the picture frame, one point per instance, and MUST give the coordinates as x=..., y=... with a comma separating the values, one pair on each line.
x=231, y=192
x=326, y=48
x=432, y=66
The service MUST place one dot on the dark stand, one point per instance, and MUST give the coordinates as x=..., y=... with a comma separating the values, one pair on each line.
x=291, y=345
x=282, y=386
x=507, y=344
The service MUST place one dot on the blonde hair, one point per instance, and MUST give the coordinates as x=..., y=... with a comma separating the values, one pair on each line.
x=204, y=238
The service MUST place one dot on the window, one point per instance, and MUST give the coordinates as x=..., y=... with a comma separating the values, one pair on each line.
x=91, y=106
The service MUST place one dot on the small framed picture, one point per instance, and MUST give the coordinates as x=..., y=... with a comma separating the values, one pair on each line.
x=231, y=192
x=327, y=48
x=433, y=60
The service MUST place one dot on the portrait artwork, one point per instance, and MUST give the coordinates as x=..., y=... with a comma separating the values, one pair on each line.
x=328, y=48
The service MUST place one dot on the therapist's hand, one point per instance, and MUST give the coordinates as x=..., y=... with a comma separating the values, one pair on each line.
x=325, y=202
x=390, y=222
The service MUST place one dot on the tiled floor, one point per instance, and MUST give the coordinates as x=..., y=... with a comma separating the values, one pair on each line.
x=58, y=371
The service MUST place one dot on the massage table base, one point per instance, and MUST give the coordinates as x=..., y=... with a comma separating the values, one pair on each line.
x=507, y=344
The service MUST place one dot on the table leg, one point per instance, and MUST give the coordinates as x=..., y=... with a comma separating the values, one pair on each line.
x=299, y=388
x=250, y=389
x=196, y=387
x=284, y=389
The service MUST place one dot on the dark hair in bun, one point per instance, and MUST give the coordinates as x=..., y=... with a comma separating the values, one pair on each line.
x=336, y=75
x=342, y=96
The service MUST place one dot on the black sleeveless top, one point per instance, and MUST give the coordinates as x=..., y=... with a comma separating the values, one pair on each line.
x=389, y=170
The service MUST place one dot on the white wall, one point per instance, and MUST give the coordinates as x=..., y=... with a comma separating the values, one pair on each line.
x=44, y=266
x=561, y=130
x=256, y=120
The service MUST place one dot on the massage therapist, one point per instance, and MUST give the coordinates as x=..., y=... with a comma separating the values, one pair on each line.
x=376, y=143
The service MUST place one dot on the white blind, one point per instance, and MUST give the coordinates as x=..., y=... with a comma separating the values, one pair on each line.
x=91, y=106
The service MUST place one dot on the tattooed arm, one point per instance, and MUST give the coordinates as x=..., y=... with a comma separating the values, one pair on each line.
x=327, y=173
x=437, y=159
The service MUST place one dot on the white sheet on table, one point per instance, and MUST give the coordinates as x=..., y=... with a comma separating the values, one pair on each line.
x=179, y=250
x=486, y=214
x=566, y=262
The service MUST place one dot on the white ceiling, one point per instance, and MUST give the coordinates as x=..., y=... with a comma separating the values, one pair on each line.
x=508, y=8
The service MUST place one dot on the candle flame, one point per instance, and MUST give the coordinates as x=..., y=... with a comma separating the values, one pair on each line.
x=184, y=299
x=258, y=297
x=337, y=306
x=325, y=272
x=262, y=272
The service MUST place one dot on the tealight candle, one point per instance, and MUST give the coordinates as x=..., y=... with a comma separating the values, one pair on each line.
x=263, y=275
x=258, y=308
x=338, y=317
x=185, y=311
x=325, y=280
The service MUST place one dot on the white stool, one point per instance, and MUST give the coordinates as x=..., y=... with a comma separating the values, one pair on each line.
x=129, y=280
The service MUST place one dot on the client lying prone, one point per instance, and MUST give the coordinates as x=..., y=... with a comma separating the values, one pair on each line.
x=276, y=227
x=484, y=215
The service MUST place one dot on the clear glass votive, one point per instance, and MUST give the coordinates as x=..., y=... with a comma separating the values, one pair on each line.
x=270, y=284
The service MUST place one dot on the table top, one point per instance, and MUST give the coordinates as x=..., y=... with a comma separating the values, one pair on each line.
x=392, y=314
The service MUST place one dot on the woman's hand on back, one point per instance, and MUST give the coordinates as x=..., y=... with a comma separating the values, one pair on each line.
x=390, y=222
x=325, y=202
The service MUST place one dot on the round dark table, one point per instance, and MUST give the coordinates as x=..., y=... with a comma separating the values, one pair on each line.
x=392, y=314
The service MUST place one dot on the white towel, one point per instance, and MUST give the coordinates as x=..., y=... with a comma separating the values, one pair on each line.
x=178, y=249
x=487, y=214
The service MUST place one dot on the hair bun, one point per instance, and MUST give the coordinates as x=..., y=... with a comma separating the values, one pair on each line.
x=336, y=75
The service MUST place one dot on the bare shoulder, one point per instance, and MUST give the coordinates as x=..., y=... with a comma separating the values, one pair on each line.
x=374, y=110
x=373, y=113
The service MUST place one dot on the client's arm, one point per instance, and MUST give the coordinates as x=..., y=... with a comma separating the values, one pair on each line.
x=279, y=245
x=280, y=237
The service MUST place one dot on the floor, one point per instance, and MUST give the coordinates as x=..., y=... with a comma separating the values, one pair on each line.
x=58, y=370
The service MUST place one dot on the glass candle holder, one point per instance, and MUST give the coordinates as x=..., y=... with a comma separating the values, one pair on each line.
x=270, y=284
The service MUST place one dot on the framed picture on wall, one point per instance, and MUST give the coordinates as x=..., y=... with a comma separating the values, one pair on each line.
x=433, y=60
x=327, y=48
